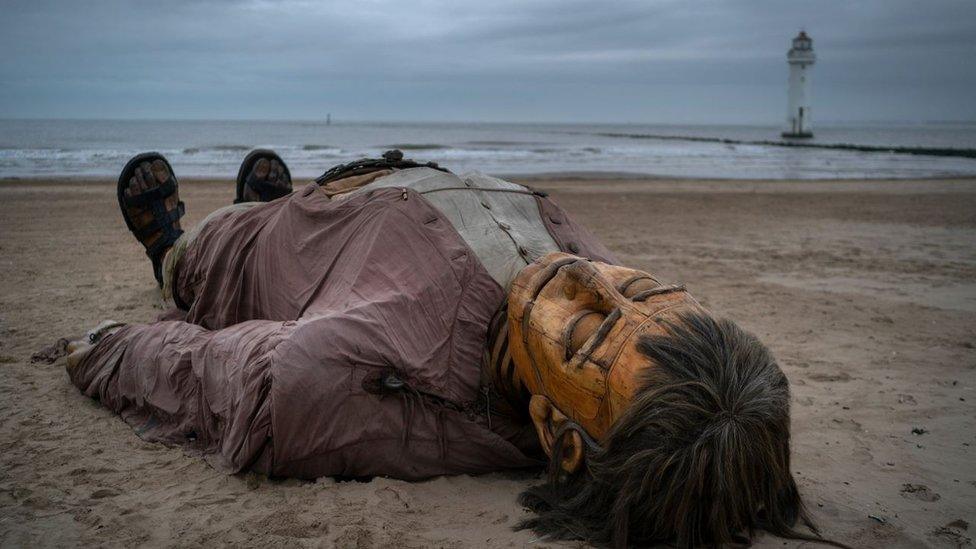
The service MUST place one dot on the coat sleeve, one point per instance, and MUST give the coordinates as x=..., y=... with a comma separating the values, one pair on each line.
x=179, y=383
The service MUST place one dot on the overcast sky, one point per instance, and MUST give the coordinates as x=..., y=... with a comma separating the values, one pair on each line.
x=668, y=61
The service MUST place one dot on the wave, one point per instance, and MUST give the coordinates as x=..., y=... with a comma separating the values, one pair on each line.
x=496, y=143
x=565, y=150
x=218, y=148
x=667, y=155
x=418, y=146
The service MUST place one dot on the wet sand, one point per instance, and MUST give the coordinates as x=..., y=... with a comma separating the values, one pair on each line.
x=865, y=291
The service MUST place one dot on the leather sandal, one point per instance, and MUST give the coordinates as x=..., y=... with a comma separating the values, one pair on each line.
x=259, y=182
x=152, y=213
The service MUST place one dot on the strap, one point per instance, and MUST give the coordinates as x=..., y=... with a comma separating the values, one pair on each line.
x=161, y=220
x=483, y=189
x=141, y=200
x=392, y=159
x=158, y=249
x=163, y=243
x=265, y=191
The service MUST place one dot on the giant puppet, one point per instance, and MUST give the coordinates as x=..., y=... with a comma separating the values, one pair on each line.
x=393, y=318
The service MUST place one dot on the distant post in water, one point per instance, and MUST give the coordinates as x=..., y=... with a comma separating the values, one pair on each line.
x=800, y=58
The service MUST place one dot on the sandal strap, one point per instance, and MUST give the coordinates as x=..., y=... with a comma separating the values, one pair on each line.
x=161, y=192
x=392, y=159
x=158, y=249
x=265, y=191
x=162, y=220
x=162, y=244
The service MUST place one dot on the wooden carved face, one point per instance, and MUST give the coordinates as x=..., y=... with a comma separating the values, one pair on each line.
x=573, y=331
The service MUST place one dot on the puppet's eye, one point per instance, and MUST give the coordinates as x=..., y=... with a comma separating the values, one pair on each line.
x=639, y=285
x=582, y=329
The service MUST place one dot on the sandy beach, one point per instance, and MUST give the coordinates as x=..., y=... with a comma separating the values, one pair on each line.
x=865, y=292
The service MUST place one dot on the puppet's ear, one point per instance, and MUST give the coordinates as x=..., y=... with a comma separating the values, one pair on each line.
x=547, y=420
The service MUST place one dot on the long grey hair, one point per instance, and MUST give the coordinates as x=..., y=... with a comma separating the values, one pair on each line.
x=702, y=456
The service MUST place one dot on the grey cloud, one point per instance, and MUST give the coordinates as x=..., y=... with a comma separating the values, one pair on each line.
x=641, y=61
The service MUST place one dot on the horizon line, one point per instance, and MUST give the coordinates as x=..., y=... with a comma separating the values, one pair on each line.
x=352, y=121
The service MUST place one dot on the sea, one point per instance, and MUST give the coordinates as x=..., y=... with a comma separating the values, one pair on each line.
x=86, y=148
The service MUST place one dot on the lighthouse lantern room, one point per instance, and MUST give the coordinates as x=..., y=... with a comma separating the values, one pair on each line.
x=800, y=58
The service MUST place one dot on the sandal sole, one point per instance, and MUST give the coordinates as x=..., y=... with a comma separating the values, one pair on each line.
x=248, y=163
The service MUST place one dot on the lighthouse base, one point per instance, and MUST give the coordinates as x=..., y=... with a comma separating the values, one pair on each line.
x=801, y=135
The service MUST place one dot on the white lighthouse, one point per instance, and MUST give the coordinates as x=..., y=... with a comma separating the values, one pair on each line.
x=800, y=58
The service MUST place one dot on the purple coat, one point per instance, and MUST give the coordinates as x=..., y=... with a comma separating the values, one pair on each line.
x=300, y=307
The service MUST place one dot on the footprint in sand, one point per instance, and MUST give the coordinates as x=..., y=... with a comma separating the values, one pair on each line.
x=355, y=536
x=826, y=377
x=953, y=534
x=920, y=492
x=103, y=493
x=392, y=497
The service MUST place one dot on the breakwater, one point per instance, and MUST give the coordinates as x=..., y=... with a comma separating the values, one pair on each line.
x=927, y=151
